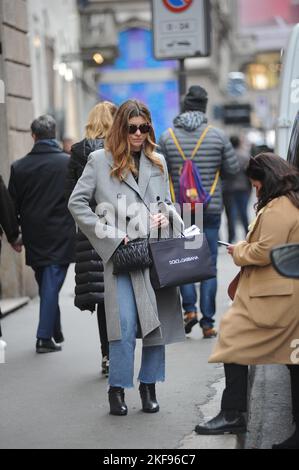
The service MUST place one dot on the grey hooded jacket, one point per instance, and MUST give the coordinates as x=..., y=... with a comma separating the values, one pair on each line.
x=215, y=153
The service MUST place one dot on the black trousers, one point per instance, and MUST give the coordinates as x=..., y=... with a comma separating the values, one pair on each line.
x=101, y=315
x=235, y=394
x=228, y=199
x=294, y=374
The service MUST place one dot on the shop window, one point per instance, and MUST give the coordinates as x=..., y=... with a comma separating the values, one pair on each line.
x=264, y=73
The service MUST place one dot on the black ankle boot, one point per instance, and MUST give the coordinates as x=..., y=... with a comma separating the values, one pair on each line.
x=148, y=398
x=117, y=401
x=291, y=443
x=226, y=422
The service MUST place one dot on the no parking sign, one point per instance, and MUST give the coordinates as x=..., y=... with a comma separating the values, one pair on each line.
x=177, y=6
x=181, y=28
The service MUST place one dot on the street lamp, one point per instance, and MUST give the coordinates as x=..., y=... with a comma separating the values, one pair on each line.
x=98, y=58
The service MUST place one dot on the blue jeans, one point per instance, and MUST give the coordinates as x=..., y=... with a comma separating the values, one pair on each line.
x=121, y=352
x=208, y=289
x=50, y=280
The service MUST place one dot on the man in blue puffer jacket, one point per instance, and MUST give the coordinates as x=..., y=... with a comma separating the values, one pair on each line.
x=214, y=154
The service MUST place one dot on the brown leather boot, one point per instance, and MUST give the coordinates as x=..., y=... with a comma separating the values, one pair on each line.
x=209, y=333
x=190, y=319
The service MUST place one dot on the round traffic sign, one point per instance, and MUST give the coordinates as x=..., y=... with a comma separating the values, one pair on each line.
x=177, y=6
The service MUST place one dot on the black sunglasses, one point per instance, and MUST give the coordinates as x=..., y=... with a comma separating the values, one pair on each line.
x=144, y=128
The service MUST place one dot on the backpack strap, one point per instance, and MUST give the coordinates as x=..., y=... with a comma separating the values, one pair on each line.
x=177, y=144
x=200, y=141
x=213, y=188
x=196, y=148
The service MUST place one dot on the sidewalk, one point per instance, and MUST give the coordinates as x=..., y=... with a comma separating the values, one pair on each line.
x=10, y=305
x=60, y=400
x=270, y=417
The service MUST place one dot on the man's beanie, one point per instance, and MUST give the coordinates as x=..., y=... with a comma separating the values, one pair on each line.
x=196, y=99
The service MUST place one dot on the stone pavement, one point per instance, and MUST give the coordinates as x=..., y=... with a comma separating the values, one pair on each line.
x=60, y=400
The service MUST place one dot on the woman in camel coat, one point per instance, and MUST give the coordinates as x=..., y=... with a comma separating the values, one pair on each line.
x=262, y=325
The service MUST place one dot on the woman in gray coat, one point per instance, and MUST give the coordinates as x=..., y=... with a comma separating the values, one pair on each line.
x=129, y=181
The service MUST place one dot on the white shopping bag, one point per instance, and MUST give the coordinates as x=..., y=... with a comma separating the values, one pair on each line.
x=192, y=231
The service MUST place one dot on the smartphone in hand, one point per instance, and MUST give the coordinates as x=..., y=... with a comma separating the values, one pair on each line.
x=223, y=243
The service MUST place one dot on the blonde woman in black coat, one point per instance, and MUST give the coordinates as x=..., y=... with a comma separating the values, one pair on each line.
x=89, y=290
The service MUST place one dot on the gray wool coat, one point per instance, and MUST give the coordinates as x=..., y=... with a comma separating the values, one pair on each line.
x=160, y=313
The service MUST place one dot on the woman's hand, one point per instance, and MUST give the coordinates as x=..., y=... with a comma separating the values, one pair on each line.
x=17, y=244
x=230, y=249
x=126, y=240
x=16, y=247
x=159, y=221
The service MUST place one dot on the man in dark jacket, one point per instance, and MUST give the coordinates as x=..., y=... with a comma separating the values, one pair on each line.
x=214, y=154
x=36, y=185
x=8, y=222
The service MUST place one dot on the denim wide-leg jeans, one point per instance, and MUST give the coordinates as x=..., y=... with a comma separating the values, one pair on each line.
x=121, y=352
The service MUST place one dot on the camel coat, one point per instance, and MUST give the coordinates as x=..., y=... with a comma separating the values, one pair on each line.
x=160, y=313
x=262, y=325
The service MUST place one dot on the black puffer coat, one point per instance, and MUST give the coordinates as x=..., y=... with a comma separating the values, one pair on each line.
x=89, y=278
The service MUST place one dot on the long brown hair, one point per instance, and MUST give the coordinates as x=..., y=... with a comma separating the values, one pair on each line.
x=100, y=120
x=117, y=139
x=277, y=176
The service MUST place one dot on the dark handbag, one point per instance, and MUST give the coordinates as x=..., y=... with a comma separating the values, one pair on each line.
x=178, y=261
x=132, y=256
x=233, y=286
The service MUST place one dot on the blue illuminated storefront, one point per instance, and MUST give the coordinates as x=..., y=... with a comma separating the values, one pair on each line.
x=161, y=96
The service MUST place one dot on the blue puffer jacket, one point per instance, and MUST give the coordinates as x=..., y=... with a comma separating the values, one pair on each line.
x=215, y=153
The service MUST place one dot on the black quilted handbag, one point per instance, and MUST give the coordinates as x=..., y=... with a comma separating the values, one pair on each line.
x=132, y=256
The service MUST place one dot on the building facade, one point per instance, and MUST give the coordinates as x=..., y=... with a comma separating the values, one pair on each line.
x=16, y=113
x=37, y=37
x=135, y=72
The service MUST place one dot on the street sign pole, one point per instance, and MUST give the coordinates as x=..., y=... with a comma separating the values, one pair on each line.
x=182, y=29
x=182, y=82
